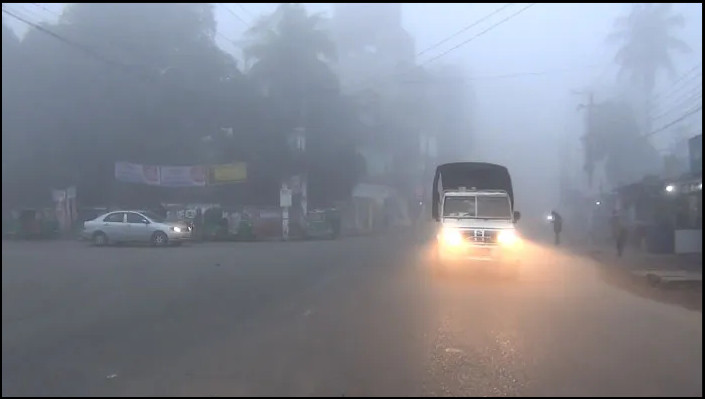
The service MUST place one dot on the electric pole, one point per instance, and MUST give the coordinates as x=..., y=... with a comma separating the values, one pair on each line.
x=588, y=120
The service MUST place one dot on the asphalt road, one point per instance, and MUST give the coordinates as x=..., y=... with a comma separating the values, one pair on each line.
x=357, y=316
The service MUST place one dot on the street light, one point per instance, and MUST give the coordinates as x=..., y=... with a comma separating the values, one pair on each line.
x=670, y=188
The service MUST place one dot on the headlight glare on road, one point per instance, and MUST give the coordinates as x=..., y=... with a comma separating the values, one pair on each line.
x=508, y=238
x=451, y=236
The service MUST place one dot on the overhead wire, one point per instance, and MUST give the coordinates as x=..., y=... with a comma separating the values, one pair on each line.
x=676, y=121
x=366, y=86
x=463, y=30
x=85, y=49
x=239, y=18
x=137, y=71
x=490, y=28
x=685, y=77
x=245, y=10
x=39, y=5
x=217, y=33
x=695, y=97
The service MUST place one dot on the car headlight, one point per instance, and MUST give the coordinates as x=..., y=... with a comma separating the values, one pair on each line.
x=508, y=237
x=176, y=229
x=450, y=236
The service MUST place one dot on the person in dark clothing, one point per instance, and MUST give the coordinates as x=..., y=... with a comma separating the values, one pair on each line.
x=619, y=232
x=198, y=225
x=557, y=221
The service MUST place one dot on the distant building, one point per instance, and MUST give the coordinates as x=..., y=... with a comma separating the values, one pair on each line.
x=371, y=41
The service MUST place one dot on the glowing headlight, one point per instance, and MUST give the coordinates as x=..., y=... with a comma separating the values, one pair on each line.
x=177, y=229
x=451, y=236
x=507, y=237
x=549, y=217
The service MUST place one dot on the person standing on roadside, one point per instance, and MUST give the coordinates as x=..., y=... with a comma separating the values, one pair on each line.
x=557, y=221
x=619, y=232
x=198, y=224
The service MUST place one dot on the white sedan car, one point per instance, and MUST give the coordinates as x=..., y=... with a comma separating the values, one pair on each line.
x=134, y=226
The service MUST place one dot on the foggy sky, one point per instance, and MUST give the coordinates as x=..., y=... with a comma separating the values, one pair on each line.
x=522, y=122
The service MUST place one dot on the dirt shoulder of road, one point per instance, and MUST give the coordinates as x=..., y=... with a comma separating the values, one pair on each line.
x=674, y=279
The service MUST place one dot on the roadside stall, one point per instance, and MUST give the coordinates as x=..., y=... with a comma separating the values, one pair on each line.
x=31, y=223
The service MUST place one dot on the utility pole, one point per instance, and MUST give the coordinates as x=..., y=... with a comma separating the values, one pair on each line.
x=296, y=182
x=588, y=117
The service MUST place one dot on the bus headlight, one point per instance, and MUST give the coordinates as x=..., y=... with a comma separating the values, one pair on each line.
x=451, y=237
x=508, y=238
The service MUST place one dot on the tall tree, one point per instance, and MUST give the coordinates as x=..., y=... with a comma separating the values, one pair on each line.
x=290, y=51
x=648, y=43
x=11, y=90
x=614, y=138
x=126, y=82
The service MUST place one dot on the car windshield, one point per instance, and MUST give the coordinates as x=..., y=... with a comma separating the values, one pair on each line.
x=493, y=207
x=153, y=216
x=460, y=207
x=482, y=206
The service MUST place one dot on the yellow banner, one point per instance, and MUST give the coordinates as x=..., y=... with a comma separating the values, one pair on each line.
x=230, y=173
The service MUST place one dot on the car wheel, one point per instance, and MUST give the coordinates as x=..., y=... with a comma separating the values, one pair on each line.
x=100, y=239
x=159, y=239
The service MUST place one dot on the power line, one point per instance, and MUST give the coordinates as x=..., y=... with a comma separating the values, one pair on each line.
x=229, y=40
x=123, y=67
x=416, y=67
x=47, y=10
x=81, y=47
x=689, y=98
x=464, y=29
x=234, y=14
x=676, y=90
x=479, y=34
x=683, y=117
x=251, y=15
x=674, y=87
x=25, y=11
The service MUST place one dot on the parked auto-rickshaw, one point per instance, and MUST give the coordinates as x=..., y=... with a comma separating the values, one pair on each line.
x=322, y=224
x=217, y=226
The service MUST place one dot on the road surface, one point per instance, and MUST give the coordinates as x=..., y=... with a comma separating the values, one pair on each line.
x=357, y=316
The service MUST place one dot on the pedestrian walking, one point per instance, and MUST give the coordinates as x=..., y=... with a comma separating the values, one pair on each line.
x=557, y=221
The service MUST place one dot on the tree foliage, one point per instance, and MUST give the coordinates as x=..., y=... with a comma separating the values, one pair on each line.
x=147, y=83
x=614, y=137
x=647, y=43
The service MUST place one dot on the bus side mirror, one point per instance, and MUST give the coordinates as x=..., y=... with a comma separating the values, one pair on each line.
x=517, y=216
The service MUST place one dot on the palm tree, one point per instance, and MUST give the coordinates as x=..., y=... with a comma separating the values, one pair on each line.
x=647, y=43
x=290, y=51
